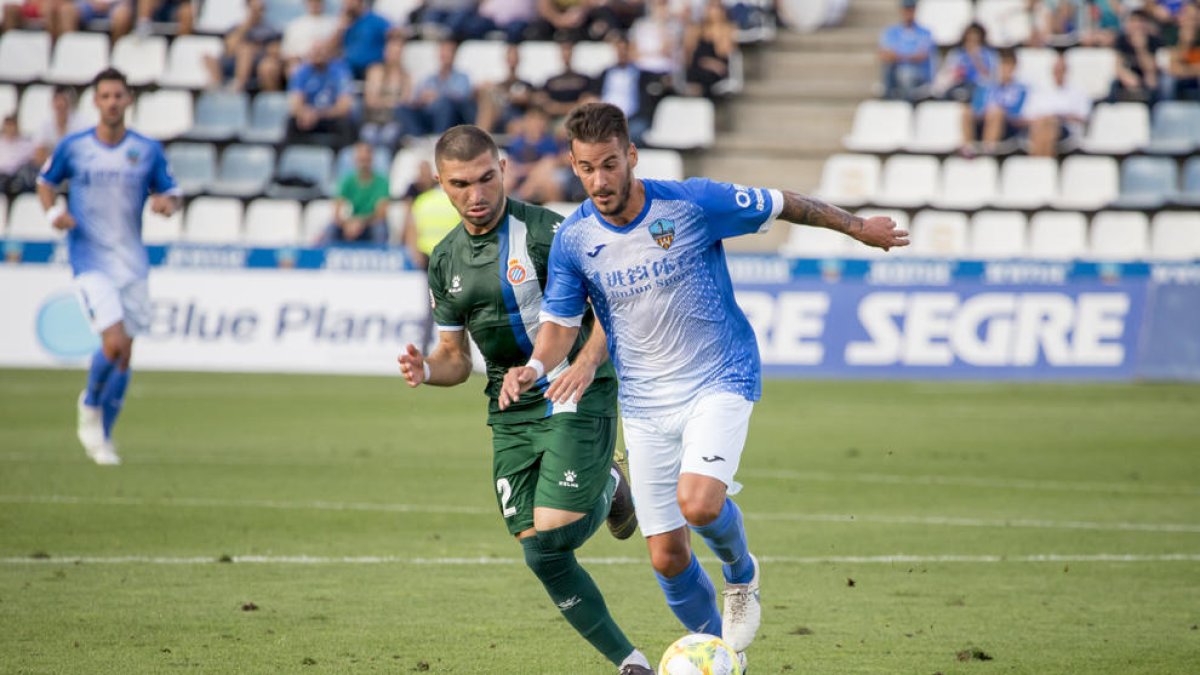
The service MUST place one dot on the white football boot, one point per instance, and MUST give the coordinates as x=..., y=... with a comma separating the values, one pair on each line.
x=89, y=426
x=743, y=612
x=106, y=455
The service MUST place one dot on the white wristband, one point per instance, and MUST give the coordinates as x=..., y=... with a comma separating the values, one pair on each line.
x=54, y=212
x=426, y=365
x=538, y=367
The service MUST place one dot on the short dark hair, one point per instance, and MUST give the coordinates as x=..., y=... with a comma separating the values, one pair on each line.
x=110, y=74
x=1007, y=54
x=597, y=123
x=464, y=143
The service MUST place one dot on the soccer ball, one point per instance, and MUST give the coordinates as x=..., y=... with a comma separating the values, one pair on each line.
x=699, y=654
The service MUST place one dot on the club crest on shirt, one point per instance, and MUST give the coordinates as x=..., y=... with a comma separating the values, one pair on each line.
x=516, y=272
x=132, y=156
x=663, y=232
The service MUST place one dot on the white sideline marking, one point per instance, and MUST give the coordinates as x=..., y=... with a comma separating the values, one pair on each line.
x=483, y=561
x=942, y=521
x=968, y=481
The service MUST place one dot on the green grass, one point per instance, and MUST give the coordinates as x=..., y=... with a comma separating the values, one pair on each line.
x=272, y=466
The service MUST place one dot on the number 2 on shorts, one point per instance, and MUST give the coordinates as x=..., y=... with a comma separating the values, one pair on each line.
x=505, y=491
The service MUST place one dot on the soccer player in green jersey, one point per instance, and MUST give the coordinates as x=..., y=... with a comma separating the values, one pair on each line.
x=555, y=481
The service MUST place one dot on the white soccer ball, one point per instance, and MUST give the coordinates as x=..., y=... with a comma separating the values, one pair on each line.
x=699, y=654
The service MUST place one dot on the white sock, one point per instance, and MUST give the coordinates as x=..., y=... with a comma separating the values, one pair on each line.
x=637, y=658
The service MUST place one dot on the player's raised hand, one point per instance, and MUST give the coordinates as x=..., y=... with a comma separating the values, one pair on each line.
x=516, y=382
x=570, y=385
x=412, y=365
x=881, y=232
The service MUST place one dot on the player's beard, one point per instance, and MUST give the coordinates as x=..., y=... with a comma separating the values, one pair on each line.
x=486, y=220
x=622, y=196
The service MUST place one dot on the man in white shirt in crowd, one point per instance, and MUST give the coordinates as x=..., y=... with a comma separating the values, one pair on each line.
x=1057, y=113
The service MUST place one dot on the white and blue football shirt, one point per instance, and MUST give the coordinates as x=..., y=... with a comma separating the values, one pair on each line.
x=661, y=289
x=109, y=185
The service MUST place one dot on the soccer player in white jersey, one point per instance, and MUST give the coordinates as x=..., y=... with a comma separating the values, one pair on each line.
x=111, y=171
x=649, y=256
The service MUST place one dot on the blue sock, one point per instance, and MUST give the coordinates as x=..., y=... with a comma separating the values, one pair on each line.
x=112, y=398
x=97, y=375
x=727, y=539
x=691, y=595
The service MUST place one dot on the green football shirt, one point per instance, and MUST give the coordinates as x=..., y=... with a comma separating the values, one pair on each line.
x=491, y=285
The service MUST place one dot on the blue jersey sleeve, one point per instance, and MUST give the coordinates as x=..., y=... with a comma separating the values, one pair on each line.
x=565, y=298
x=161, y=180
x=732, y=210
x=58, y=167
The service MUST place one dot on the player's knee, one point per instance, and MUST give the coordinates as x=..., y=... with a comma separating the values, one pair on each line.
x=670, y=562
x=543, y=563
x=699, y=511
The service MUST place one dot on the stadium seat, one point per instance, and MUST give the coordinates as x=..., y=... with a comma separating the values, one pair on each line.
x=683, y=123
x=421, y=59
x=1175, y=128
x=1120, y=235
x=158, y=229
x=1175, y=235
x=279, y=13
x=592, y=58
x=309, y=164
x=937, y=127
x=880, y=126
x=1007, y=22
x=381, y=162
x=143, y=59
x=539, y=62
x=220, y=115
x=482, y=60
x=397, y=215
x=245, y=170
x=1117, y=129
x=34, y=108
x=24, y=55
x=1190, y=195
x=815, y=242
x=213, y=220
x=1147, y=182
x=1057, y=235
x=164, y=114
x=77, y=58
x=1035, y=66
x=849, y=180
x=220, y=16
x=194, y=166
x=908, y=181
x=272, y=222
x=735, y=78
x=268, y=118
x=185, y=61
x=8, y=100
x=396, y=11
x=318, y=215
x=967, y=183
x=1087, y=183
x=406, y=165
x=1027, y=182
x=938, y=234
x=660, y=164
x=27, y=220
x=946, y=19
x=858, y=250
x=1092, y=69
x=998, y=234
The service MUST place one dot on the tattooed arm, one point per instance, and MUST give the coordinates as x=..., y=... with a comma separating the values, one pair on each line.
x=877, y=231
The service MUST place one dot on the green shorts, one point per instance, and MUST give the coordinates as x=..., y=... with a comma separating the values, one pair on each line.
x=560, y=462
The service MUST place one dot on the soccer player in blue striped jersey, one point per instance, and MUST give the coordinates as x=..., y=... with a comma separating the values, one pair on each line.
x=111, y=172
x=648, y=254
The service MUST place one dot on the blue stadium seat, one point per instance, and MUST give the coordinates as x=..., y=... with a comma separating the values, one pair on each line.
x=1175, y=128
x=268, y=118
x=245, y=170
x=305, y=172
x=1147, y=182
x=1190, y=195
x=219, y=115
x=194, y=166
x=381, y=161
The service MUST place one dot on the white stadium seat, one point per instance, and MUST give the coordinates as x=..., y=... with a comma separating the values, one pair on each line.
x=683, y=123
x=396, y=11
x=1058, y=235
x=1118, y=128
x=815, y=242
x=946, y=19
x=1175, y=235
x=1035, y=66
x=849, y=180
x=1027, y=182
x=1120, y=235
x=967, y=183
x=318, y=215
x=421, y=59
x=483, y=61
x=34, y=108
x=220, y=16
x=157, y=229
x=592, y=58
x=396, y=217
x=908, y=181
x=24, y=55
x=539, y=61
x=659, y=164
x=938, y=234
x=143, y=59
x=8, y=100
x=998, y=234
x=406, y=166
x=1092, y=69
x=164, y=114
x=1087, y=183
x=272, y=222
x=1007, y=21
x=78, y=57
x=28, y=220
x=185, y=61
x=880, y=126
x=937, y=127
x=213, y=220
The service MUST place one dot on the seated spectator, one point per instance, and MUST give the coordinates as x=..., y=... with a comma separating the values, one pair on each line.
x=364, y=35
x=533, y=143
x=908, y=52
x=251, y=59
x=707, y=47
x=573, y=20
x=387, y=95
x=566, y=90
x=74, y=14
x=1065, y=23
x=513, y=17
x=178, y=12
x=18, y=173
x=967, y=66
x=501, y=103
x=658, y=40
x=305, y=31
x=1185, y=56
x=61, y=122
x=446, y=97
x=996, y=110
x=1137, y=71
x=320, y=100
x=634, y=90
x=424, y=182
x=453, y=19
x=360, y=207
x=1056, y=114
x=21, y=14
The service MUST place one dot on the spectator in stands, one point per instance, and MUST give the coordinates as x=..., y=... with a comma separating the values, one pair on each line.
x=61, y=122
x=967, y=66
x=360, y=208
x=320, y=100
x=1137, y=71
x=501, y=103
x=251, y=59
x=996, y=110
x=18, y=173
x=431, y=218
x=387, y=98
x=708, y=46
x=453, y=19
x=446, y=97
x=424, y=182
x=634, y=90
x=574, y=20
x=533, y=143
x=40, y=12
x=658, y=41
x=75, y=13
x=305, y=31
x=179, y=12
x=1185, y=56
x=1056, y=114
x=364, y=35
x=566, y=90
x=513, y=17
x=1064, y=23
x=908, y=52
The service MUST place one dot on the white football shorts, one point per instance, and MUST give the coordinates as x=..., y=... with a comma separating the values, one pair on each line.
x=105, y=304
x=706, y=437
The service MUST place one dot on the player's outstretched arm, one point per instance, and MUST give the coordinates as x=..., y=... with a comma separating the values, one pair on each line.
x=553, y=344
x=58, y=216
x=448, y=365
x=570, y=385
x=878, y=231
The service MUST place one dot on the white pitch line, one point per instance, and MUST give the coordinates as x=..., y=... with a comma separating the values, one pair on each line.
x=485, y=561
x=969, y=481
x=933, y=521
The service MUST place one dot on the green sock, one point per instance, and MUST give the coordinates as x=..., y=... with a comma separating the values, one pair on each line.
x=582, y=605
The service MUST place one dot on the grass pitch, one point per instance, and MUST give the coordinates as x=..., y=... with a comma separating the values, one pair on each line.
x=904, y=527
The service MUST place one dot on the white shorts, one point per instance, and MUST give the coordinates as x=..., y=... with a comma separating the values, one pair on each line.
x=705, y=437
x=104, y=304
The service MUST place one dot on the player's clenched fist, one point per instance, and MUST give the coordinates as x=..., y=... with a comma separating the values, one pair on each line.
x=516, y=382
